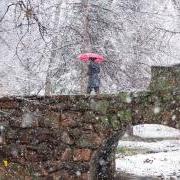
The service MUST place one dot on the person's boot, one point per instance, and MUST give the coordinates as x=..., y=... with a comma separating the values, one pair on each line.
x=97, y=93
x=88, y=91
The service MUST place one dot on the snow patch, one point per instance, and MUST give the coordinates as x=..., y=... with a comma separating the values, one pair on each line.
x=160, y=146
x=155, y=131
x=157, y=110
x=162, y=158
x=158, y=164
x=27, y=120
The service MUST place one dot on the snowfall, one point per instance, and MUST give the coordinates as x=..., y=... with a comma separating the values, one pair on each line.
x=161, y=145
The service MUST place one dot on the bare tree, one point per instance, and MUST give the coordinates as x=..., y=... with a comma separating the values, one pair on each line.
x=49, y=76
x=131, y=34
x=87, y=43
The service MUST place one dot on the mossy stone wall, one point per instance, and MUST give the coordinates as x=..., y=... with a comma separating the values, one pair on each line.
x=74, y=137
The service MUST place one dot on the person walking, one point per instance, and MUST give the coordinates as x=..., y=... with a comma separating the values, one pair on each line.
x=93, y=70
x=93, y=73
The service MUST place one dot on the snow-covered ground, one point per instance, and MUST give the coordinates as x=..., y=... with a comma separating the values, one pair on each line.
x=155, y=131
x=159, y=146
x=159, y=164
x=162, y=158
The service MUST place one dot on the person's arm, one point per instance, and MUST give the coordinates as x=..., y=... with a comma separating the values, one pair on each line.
x=96, y=68
x=89, y=70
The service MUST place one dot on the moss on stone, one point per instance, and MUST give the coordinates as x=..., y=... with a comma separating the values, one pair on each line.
x=122, y=96
x=125, y=115
x=100, y=106
x=104, y=121
x=146, y=97
x=84, y=143
x=87, y=141
x=163, y=84
x=164, y=78
x=17, y=171
x=130, y=151
x=166, y=96
x=90, y=117
x=177, y=97
x=115, y=123
x=82, y=104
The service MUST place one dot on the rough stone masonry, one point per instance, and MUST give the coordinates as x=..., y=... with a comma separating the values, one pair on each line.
x=75, y=137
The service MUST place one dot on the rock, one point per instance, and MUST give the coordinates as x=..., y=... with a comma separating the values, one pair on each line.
x=52, y=119
x=88, y=127
x=67, y=121
x=30, y=119
x=86, y=176
x=99, y=106
x=89, y=141
x=24, y=139
x=1, y=140
x=67, y=155
x=89, y=117
x=62, y=175
x=82, y=154
x=8, y=104
x=67, y=139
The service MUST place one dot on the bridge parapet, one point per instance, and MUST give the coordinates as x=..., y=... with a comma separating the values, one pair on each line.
x=75, y=137
x=165, y=78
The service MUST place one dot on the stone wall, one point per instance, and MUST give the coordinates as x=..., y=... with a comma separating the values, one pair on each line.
x=165, y=78
x=75, y=137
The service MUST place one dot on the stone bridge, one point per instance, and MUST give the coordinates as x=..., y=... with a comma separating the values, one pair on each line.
x=75, y=137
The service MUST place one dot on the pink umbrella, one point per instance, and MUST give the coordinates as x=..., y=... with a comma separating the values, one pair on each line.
x=85, y=57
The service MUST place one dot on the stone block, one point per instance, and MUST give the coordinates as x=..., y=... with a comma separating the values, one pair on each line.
x=82, y=155
x=66, y=138
x=67, y=155
x=68, y=123
x=89, y=140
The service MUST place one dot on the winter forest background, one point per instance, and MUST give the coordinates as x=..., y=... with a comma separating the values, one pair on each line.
x=40, y=41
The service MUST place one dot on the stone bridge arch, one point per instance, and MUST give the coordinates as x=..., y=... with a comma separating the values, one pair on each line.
x=75, y=137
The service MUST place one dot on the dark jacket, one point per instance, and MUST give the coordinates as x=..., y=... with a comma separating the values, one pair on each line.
x=93, y=71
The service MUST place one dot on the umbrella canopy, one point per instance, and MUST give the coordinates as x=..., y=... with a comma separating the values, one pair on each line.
x=85, y=57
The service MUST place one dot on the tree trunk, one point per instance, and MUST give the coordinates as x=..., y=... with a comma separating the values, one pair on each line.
x=86, y=45
x=49, y=76
x=48, y=84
